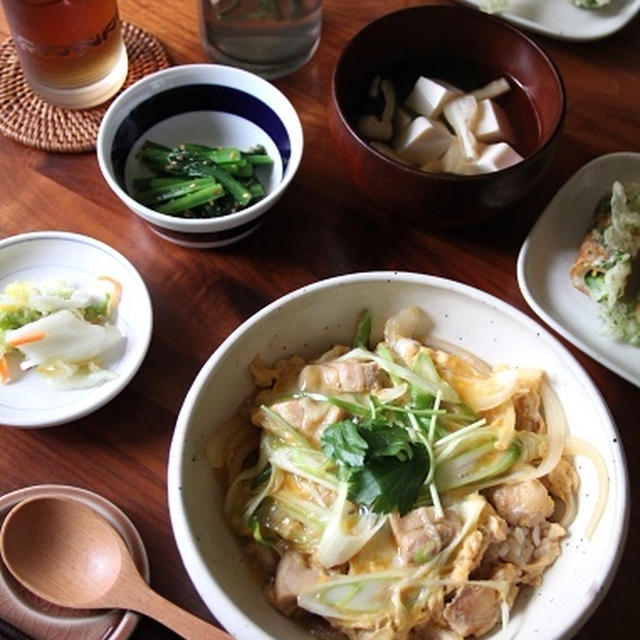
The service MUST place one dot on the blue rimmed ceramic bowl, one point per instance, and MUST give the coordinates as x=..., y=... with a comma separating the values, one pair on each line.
x=209, y=104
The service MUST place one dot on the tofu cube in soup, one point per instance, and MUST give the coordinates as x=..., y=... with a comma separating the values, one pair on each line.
x=497, y=156
x=491, y=124
x=428, y=97
x=422, y=140
x=439, y=128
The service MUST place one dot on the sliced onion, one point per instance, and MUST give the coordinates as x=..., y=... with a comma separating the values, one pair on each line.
x=579, y=447
x=477, y=363
x=339, y=544
x=557, y=434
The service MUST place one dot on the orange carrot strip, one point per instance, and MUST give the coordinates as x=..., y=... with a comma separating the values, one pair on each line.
x=27, y=339
x=117, y=292
x=4, y=370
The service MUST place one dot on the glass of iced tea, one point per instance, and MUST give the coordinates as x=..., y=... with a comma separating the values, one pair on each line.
x=71, y=51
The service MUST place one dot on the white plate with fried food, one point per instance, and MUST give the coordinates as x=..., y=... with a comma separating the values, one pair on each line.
x=75, y=326
x=564, y=20
x=550, y=250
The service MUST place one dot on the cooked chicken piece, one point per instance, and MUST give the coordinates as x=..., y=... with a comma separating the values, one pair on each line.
x=433, y=628
x=275, y=381
x=469, y=556
x=563, y=481
x=293, y=575
x=474, y=610
x=509, y=574
x=308, y=416
x=421, y=533
x=545, y=553
x=528, y=416
x=491, y=529
x=347, y=377
x=493, y=526
x=265, y=376
x=523, y=504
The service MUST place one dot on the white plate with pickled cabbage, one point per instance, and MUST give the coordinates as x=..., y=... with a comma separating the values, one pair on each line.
x=369, y=490
x=564, y=19
x=75, y=325
x=551, y=249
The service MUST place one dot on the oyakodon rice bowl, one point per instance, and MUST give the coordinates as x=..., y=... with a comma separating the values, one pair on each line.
x=438, y=549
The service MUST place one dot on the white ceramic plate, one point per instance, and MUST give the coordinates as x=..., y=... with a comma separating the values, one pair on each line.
x=309, y=320
x=562, y=19
x=549, y=251
x=29, y=400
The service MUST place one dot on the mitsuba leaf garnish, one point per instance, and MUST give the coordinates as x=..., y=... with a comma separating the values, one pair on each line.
x=343, y=443
x=388, y=483
x=385, y=439
x=383, y=467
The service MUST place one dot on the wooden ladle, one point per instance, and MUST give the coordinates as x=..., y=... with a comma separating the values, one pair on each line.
x=65, y=552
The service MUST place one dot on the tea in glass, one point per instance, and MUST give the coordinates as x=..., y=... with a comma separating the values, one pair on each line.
x=71, y=52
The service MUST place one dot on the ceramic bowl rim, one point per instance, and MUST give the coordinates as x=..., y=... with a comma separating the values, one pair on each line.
x=446, y=177
x=232, y=616
x=185, y=74
x=94, y=398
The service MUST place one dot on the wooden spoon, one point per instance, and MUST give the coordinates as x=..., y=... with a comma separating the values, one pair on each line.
x=65, y=552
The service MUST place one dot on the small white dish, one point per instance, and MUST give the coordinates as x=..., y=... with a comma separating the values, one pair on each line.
x=209, y=104
x=561, y=19
x=29, y=400
x=306, y=322
x=551, y=247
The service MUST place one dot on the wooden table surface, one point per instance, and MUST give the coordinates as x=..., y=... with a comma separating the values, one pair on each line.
x=322, y=227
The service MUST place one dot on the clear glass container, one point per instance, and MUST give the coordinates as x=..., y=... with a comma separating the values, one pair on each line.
x=269, y=37
x=71, y=54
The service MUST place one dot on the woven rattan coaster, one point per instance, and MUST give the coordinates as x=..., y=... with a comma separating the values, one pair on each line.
x=26, y=118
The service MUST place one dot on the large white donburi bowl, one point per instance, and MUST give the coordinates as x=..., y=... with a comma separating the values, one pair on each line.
x=307, y=322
